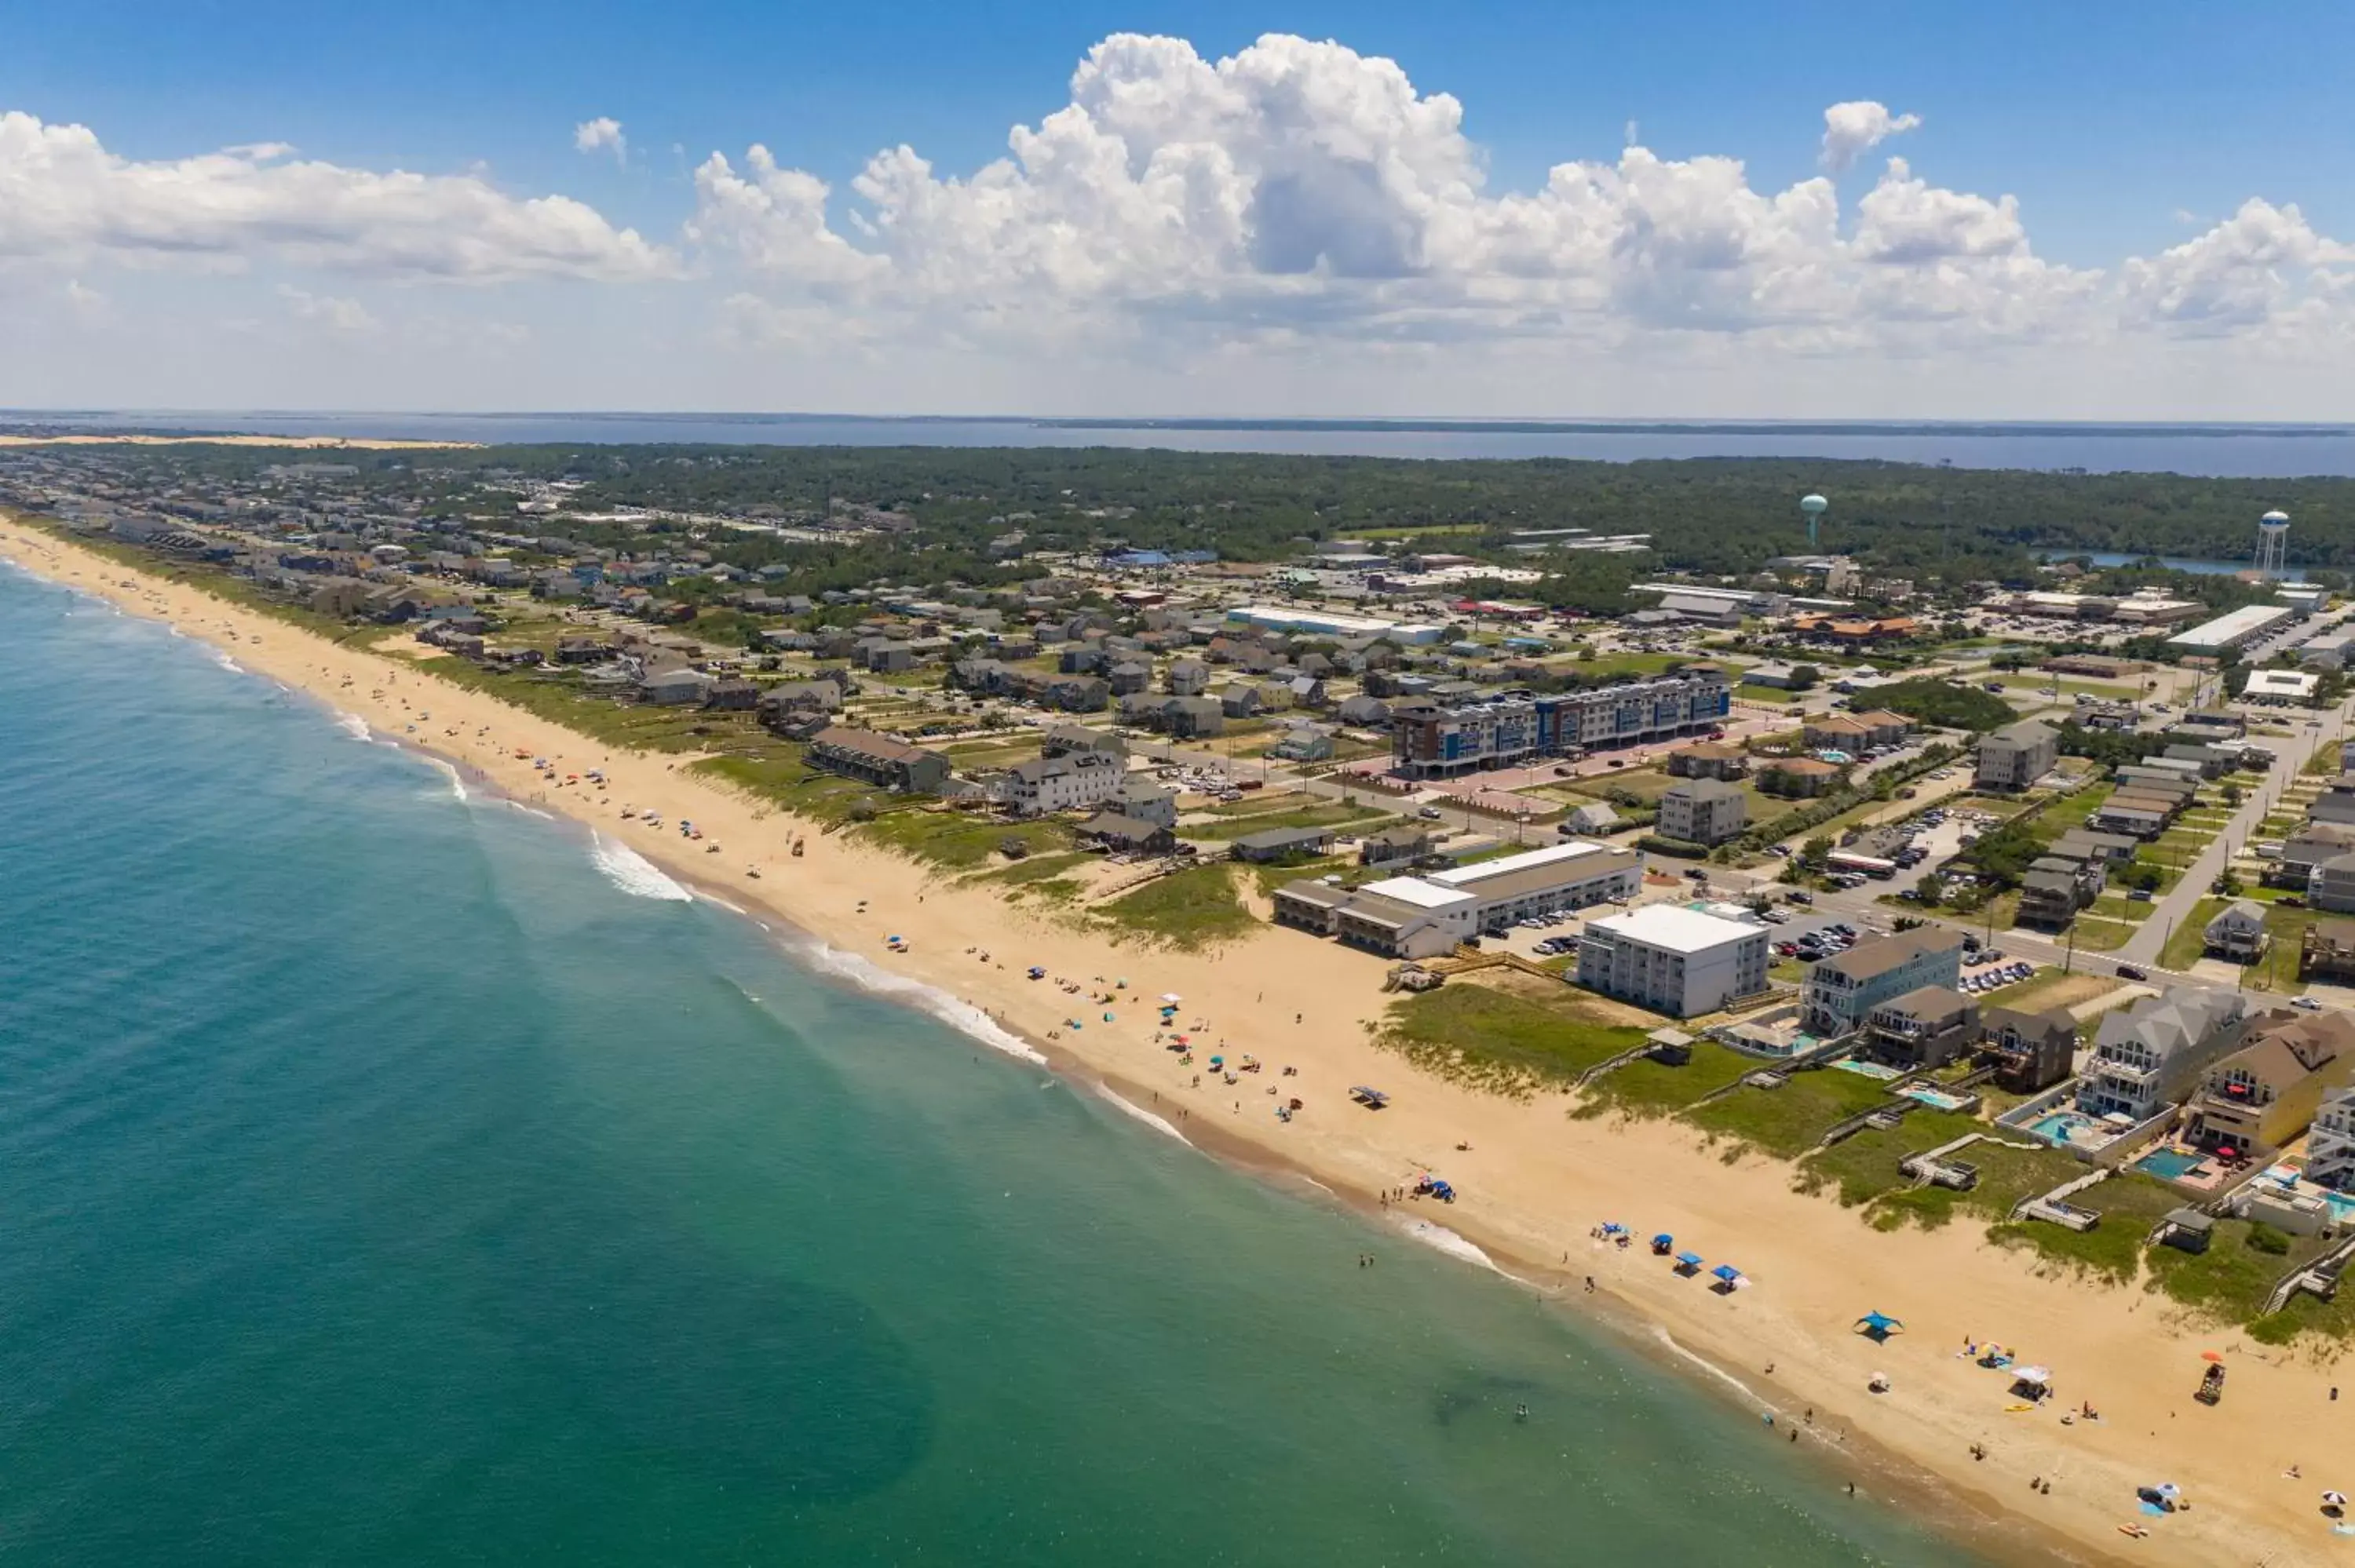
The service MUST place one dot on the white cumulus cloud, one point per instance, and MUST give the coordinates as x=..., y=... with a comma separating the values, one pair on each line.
x=602, y=134
x=1854, y=129
x=340, y=315
x=63, y=194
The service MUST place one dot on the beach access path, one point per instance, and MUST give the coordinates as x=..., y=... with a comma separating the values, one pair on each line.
x=1535, y=1183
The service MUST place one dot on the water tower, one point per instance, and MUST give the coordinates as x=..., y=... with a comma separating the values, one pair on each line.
x=2273, y=541
x=1814, y=507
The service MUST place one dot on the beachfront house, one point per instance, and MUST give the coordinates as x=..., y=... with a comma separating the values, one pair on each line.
x=1704, y=811
x=1594, y=817
x=2331, y=1145
x=1405, y=842
x=2268, y=1090
x=1927, y=1027
x=1676, y=961
x=1147, y=802
x=2330, y=885
x=2055, y=888
x=2148, y=1056
x=2017, y=755
x=1272, y=845
x=2327, y=951
x=1840, y=991
x=2237, y=933
x=2030, y=1052
x=1076, y=780
x=1127, y=835
x=877, y=760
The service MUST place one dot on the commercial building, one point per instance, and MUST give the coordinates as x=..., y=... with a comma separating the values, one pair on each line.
x=1704, y=811
x=2017, y=755
x=1416, y=916
x=2233, y=630
x=1840, y=991
x=1429, y=739
x=1673, y=959
x=2280, y=686
x=1318, y=623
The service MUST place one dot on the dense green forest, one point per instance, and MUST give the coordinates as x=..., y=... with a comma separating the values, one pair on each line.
x=1704, y=514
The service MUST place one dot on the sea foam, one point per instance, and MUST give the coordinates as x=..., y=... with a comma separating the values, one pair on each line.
x=457, y=784
x=354, y=726
x=1439, y=1238
x=634, y=874
x=962, y=1016
x=1129, y=1107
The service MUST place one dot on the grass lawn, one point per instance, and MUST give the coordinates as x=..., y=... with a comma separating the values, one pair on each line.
x=1511, y=1037
x=2112, y=1250
x=1328, y=814
x=784, y=779
x=2277, y=970
x=1645, y=1089
x=1195, y=907
x=1862, y=1168
x=2048, y=989
x=2231, y=1280
x=1790, y=1120
x=2333, y=1320
x=2188, y=942
x=957, y=841
x=1631, y=664
x=1776, y=695
x=2007, y=1175
x=1648, y=784
x=2099, y=934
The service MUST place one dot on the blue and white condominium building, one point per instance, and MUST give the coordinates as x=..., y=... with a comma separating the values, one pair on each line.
x=1429, y=740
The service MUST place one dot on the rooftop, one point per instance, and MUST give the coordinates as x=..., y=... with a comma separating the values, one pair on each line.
x=1676, y=929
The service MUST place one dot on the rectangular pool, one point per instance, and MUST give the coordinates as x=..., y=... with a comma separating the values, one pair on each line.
x=2169, y=1164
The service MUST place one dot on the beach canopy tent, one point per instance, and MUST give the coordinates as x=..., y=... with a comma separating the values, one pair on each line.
x=1372, y=1099
x=1689, y=1259
x=1879, y=1325
x=1727, y=1272
x=1664, y=1241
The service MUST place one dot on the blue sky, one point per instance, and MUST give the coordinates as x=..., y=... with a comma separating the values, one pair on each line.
x=2122, y=132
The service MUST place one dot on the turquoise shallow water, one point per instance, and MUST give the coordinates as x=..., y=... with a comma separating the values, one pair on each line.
x=382, y=1182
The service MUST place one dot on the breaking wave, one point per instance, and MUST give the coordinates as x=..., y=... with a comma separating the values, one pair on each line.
x=1439, y=1238
x=1129, y=1107
x=962, y=1016
x=634, y=874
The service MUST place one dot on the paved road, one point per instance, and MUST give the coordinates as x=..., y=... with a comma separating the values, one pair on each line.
x=2291, y=758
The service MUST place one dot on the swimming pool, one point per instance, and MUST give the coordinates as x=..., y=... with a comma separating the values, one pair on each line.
x=2060, y=1127
x=1866, y=1069
x=2169, y=1164
x=1936, y=1099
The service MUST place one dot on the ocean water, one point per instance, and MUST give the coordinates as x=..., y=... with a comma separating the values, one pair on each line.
x=2236, y=452
x=391, y=1175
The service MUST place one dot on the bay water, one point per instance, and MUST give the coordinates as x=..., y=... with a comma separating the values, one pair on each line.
x=2231, y=452
x=388, y=1175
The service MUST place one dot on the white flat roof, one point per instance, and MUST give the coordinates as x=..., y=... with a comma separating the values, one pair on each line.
x=1420, y=892
x=1676, y=929
x=2281, y=684
x=1505, y=866
x=2244, y=621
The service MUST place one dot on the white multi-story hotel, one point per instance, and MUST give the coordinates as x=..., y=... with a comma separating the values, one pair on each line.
x=1673, y=959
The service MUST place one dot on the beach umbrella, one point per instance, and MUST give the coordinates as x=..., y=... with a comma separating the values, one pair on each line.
x=1879, y=1325
x=1727, y=1272
x=1663, y=1239
x=2336, y=1499
x=2211, y=1356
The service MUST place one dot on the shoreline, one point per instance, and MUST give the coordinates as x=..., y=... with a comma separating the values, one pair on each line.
x=1547, y=1182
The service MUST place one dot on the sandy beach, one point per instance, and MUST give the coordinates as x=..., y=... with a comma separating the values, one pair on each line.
x=1535, y=1183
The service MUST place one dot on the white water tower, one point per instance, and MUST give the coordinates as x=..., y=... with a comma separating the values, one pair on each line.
x=2273, y=542
x=1814, y=507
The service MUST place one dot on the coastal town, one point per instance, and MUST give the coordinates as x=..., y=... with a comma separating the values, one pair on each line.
x=2021, y=908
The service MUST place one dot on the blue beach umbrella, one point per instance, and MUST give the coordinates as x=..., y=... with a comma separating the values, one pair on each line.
x=1879, y=1325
